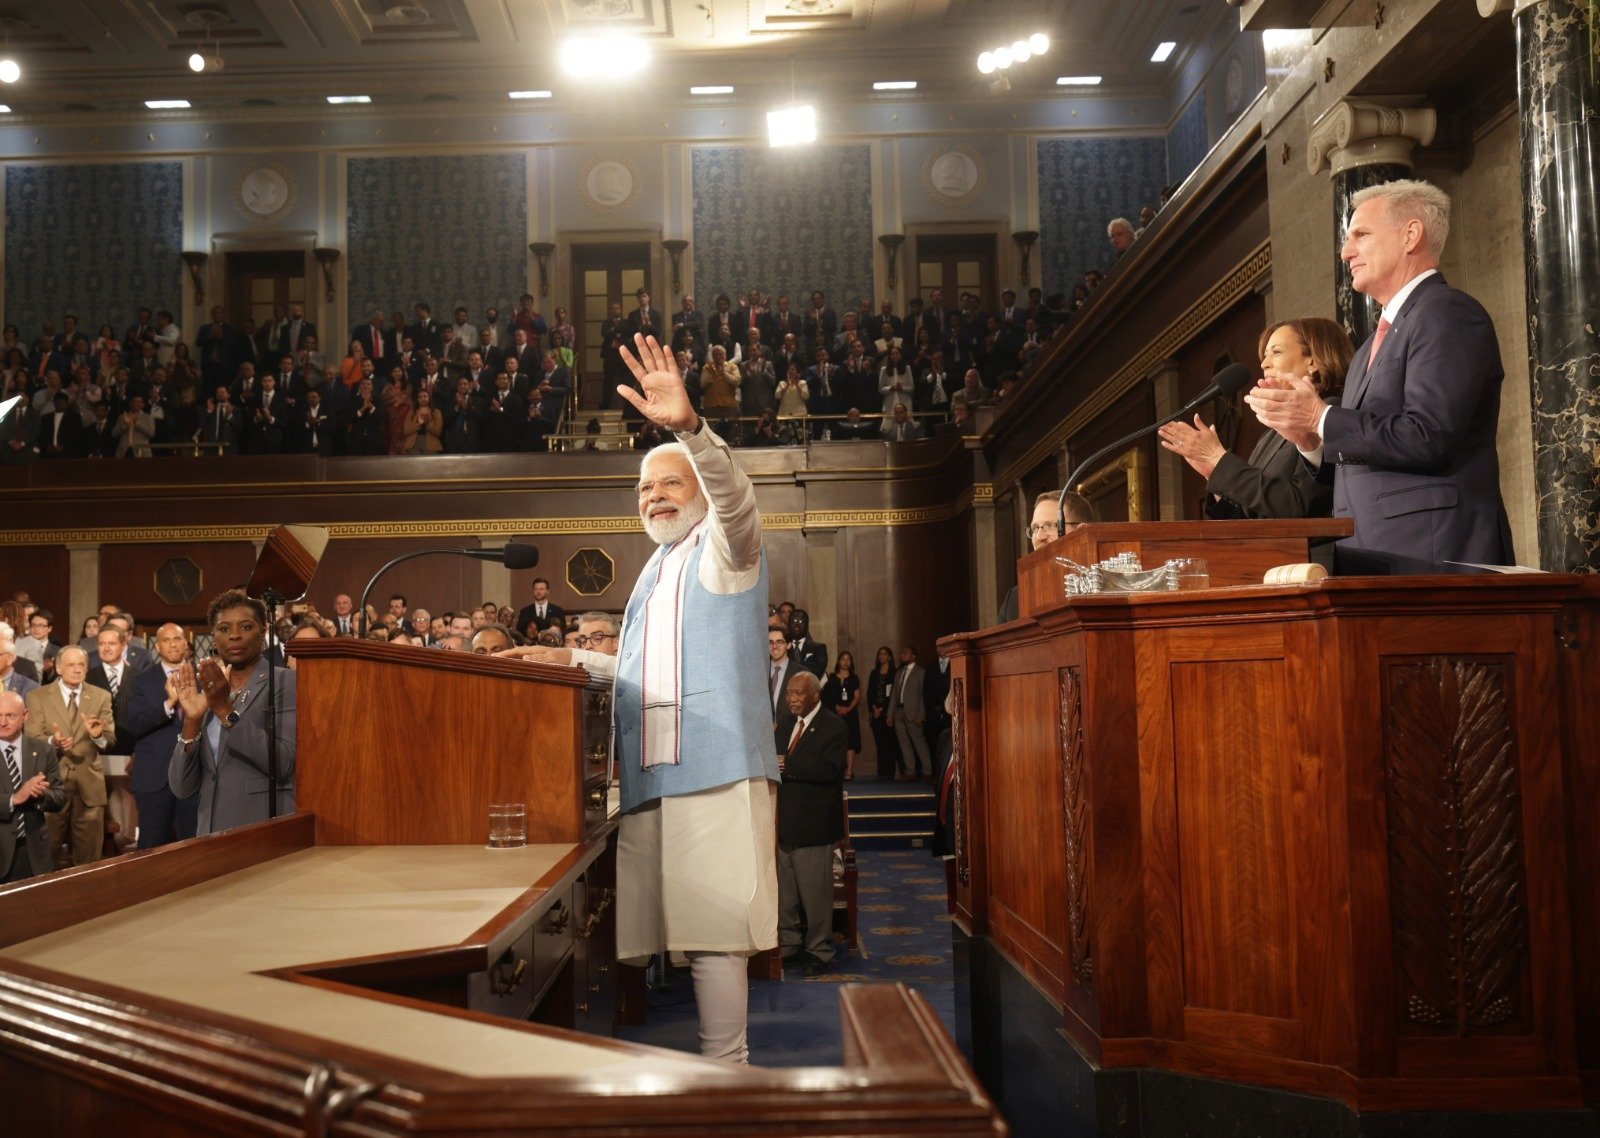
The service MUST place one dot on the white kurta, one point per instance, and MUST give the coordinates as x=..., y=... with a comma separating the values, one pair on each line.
x=698, y=872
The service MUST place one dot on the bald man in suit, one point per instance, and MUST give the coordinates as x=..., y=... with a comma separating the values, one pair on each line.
x=30, y=788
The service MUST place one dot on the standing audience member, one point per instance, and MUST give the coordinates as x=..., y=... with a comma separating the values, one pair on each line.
x=842, y=695
x=880, y=690
x=75, y=719
x=812, y=745
x=11, y=679
x=781, y=666
x=113, y=672
x=542, y=609
x=906, y=716
x=221, y=751
x=154, y=719
x=806, y=652
x=30, y=788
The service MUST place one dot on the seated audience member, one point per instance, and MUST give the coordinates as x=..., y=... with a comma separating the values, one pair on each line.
x=902, y=427
x=309, y=628
x=570, y=640
x=550, y=638
x=453, y=643
x=34, y=792
x=492, y=638
x=1042, y=531
x=221, y=751
x=855, y=426
x=1119, y=231
x=599, y=632
x=812, y=744
x=459, y=624
x=1274, y=482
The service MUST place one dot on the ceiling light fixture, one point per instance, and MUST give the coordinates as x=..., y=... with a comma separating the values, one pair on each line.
x=167, y=104
x=1078, y=81
x=610, y=55
x=208, y=20
x=719, y=90
x=1017, y=51
x=340, y=100
x=794, y=125
x=896, y=85
x=529, y=94
x=10, y=70
x=1163, y=50
x=4, y=110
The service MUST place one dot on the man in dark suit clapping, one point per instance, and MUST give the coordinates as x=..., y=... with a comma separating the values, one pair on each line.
x=1410, y=449
x=30, y=787
x=153, y=719
x=812, y=747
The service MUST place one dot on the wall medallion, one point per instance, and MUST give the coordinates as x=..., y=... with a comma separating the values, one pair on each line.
x=609, y=184
x=265, y=191
x=953, y=175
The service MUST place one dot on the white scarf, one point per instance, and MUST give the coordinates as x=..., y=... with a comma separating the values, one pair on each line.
x=663, y=653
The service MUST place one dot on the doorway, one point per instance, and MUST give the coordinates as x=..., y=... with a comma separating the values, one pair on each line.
x=257, y=282
x=603, y=274
x=954, y=264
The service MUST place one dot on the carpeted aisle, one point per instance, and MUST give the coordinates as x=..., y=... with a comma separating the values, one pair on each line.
x=904, y=936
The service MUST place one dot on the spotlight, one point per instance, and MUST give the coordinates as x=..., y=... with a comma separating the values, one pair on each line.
x=1021, y=52
x=792, y=126
x=986, y=62
x=10, y=71
x=608, y=56
x=1002, y=58
x=205, y=61
x=1039, y=43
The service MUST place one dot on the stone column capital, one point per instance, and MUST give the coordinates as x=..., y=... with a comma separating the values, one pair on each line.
x=1352, y=133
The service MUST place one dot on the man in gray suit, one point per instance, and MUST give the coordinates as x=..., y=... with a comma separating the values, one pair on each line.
x=906, y=715
x=30, y=787
x=1410, y=450
x=780, y=666
x=221, y=750
x=12, y=680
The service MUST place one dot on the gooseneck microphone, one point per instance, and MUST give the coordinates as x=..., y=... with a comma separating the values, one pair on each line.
x=1229, y=382
x=513, y=555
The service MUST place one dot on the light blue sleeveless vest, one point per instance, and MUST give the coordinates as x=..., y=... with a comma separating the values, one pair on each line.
x=725, y=734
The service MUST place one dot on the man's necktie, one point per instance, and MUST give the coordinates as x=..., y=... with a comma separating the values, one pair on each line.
x=111, y=676
x=72, y=706
x=795, y=738
x=1377, y=341
x=15, y=771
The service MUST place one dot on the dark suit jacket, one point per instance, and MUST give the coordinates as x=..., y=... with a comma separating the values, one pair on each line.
x=551, y=612
x=811, y=796
x=68, y=438
x=1275, y=483
x=34, y=758
x=119, y=702
x=380, y=345
x=151, y=730
x=813, y=657
x=1413, y=444
x=1008, y=607
x=657, y=326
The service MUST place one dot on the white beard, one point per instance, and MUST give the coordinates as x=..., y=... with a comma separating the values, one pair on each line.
x=670, y=531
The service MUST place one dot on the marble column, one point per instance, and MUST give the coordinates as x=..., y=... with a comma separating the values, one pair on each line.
x=1363, y=144
x=1560, y=104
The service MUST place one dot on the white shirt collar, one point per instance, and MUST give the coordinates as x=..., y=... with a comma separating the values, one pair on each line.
x=66, y=692
x=1398, y=300
x=805, y=720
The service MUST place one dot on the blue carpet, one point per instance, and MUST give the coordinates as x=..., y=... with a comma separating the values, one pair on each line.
x=904, y=936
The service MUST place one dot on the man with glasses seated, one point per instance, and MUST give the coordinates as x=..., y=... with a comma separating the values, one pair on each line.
x=597, y=632
x=1042, y=531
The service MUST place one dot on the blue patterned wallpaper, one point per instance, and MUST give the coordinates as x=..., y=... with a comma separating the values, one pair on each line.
x=1083, y=184
x=1189, y=139
x=440, y=229
x=98, y=241
x=783, y=221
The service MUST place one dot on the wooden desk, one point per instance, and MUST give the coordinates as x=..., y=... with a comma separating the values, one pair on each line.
x=1336, y=838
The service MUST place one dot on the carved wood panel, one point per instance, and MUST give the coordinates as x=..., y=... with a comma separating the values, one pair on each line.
x=958, y=734
x=1075, y=804
x=1458, y=904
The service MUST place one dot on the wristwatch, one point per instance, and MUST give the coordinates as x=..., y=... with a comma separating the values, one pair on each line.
x=230, y=719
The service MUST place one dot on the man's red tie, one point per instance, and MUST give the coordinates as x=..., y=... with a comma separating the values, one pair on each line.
x=793, y=739
x=1377, y=341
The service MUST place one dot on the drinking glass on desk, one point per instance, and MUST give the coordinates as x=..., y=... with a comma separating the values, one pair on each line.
x=508, y=825
x=1188, y=573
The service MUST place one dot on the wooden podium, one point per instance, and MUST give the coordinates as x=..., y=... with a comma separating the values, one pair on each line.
x=1336, y=839
x=367, y=966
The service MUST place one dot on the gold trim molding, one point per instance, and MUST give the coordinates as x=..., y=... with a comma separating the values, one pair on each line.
x=477, y=527
x=1236, y=284
x=1128, y=468
x=982, y=492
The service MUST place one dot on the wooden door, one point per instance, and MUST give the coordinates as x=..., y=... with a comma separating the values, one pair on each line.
x=954, y=264
x=603, y=275
x=258, y=282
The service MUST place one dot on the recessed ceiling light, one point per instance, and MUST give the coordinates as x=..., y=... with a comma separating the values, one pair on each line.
x=1163, y=50
x=339, y=100
x=1078, y=81
x=10, y=71
x=896, y=85
x=609, y=55
x=167, y=104
x=4, y=110
x=710, y=90
x=529, y=94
